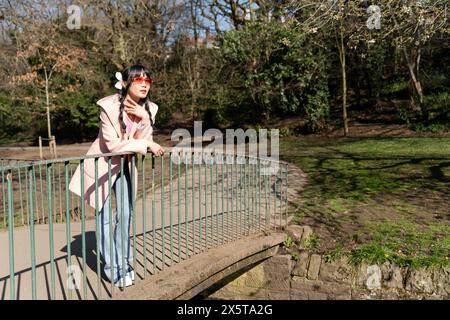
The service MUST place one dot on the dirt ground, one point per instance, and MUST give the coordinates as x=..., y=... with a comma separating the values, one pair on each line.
x=163, y=137
x=63, y=150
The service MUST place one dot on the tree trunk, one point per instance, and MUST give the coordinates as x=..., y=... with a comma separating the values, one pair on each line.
x=413, y=64
x=234, y=13
x=192, y=67
x=194, y=23
x=341, y=47
x=47, y=102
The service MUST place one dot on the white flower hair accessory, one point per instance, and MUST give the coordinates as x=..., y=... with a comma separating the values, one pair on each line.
x=118, y=84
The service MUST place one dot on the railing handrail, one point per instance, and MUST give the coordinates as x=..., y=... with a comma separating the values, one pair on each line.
x=15, y=159
x=112, y=154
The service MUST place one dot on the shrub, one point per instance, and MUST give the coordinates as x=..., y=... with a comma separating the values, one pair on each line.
x=270, y=69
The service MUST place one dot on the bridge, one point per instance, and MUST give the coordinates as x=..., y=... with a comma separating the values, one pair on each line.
x=198, y=217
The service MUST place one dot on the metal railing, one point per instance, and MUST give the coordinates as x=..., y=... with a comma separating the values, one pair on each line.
x=186, y=203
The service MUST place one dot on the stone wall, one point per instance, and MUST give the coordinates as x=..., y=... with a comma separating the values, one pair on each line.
x=311, y=278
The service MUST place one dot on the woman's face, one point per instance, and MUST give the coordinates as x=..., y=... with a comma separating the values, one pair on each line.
x=140, y=87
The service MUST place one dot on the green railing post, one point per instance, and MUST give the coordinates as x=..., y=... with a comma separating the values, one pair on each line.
x=153, y=213
x=249, y=196
x=250, y=189
x=255, y=218
x=222, y=195
x=246, y=213
x=122, y=215
x=211, y=211
x=287, y=201
x=83, y=230
x=42, y=194
x=228, y=198
x=163, y=225
x=68, y=234
x=265, y=195
x=193, y=204
x=97, y=228
x=111, y=249
x=60, y=194
x=217, y=199
x=50, y=225
x=271, y=214
x=27, y=220
x=133, y=211
x=186, y=205
x=240, y=195
x=179, y=207
x=206, y=201
x=170, y=208
x=71, y=174
x=144, y=215
x=32, y=234
x=200, y=203
x=205, y=170
x=38, y=219
x=52, y=173
x=12, y=290
x=275, y=199
x=233, y=197
x=258, y=179
x=20, y=194
x=4, y=197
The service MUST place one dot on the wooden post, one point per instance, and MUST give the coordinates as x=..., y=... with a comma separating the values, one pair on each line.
x=52, y=145
x=40, y=147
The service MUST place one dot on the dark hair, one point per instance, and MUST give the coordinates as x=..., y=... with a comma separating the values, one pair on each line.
x=128, y=74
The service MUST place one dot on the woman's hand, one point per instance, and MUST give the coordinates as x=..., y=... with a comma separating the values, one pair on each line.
x=134, y=109
x=156, y=149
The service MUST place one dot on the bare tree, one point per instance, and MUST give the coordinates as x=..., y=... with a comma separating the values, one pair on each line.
x=346, y=20
x=411, y=24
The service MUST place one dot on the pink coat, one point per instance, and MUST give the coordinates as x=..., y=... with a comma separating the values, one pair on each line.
x=110, y=139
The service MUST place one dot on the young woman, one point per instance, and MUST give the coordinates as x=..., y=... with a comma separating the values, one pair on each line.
x=126, y=120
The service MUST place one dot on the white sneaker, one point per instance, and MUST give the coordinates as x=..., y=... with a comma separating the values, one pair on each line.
x=121, y=283
x=131, y=274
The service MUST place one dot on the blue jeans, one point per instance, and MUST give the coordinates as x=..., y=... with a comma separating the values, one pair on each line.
x=121, y=242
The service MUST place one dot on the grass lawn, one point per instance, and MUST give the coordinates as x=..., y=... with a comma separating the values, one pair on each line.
x=375, y=200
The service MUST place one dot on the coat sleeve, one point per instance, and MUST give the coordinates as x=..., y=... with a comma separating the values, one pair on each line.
x=145, y=131
x=114, y=143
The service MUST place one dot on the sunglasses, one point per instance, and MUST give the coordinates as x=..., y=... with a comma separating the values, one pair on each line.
x=140, y=80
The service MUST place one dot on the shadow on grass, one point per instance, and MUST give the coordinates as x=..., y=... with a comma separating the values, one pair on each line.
x=349, y=187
